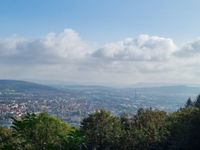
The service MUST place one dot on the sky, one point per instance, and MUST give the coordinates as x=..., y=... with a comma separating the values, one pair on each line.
x=100, y=42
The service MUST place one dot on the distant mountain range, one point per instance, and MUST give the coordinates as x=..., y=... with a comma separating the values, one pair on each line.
x=177, y=89
x=30, y=87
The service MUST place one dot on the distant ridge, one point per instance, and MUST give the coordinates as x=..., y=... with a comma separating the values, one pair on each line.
x=35, y=88
x=171, y=89
x=25, y=87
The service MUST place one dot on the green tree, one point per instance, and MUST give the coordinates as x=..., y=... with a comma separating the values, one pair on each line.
x=127, y=140
x=102, y=130
x=7, y=141
x=40, y=132
x=75, y=140
x=184, y=129
x=197, y=102
x=189, y=103
x=148, y=129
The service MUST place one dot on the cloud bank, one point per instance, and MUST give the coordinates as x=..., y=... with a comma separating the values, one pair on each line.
x=66, y=56
x=143, y=48
x=54, y=48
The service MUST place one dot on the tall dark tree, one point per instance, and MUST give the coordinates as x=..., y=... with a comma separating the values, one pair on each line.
x=102, y=131
x=127, y=141
x=184, y=129
x=148, y=128
x=197, y=102
x=189, y=103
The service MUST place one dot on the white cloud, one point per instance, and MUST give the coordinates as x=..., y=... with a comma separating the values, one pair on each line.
x=143, y=48
x=66, y=44
x=189, y=50
x=66, y=57
x=54, y=48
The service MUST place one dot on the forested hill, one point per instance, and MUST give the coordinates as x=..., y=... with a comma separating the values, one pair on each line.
x=15, y=86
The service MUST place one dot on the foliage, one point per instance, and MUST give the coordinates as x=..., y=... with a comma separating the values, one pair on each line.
x=41, y=132
x=184, y=129
x=189, y=103
x=148, y=129
x=102, y=130
x=6, y=139
x=197, y=102
x=74, y=141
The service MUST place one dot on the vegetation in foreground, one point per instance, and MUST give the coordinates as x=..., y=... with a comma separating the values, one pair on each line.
x=149, y=129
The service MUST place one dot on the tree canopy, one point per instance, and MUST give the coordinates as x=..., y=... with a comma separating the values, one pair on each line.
x=148, y=129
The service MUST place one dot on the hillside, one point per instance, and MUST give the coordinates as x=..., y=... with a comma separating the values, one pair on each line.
x=15, y=86
x=175, y=90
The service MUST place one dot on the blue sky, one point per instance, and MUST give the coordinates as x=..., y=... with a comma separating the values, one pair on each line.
x=100, y=42
x=103, y=20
